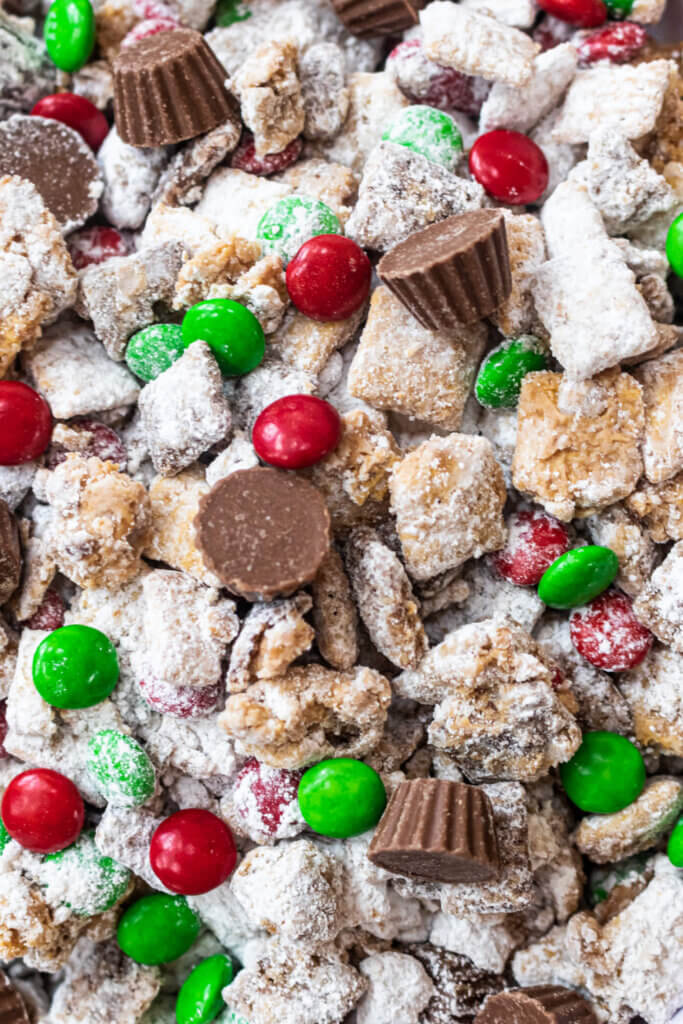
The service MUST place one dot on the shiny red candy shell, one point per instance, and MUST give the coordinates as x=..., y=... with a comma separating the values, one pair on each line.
x=192, y=852
x=50, y=614
x=510, y=166
x=296, y=431
x=268, y=793
x=78, y=113
x=329, y=278
x=181, y=701
x=534, y=541
x=245, y=159
x=95, y=245
x=584, y=13
x=42, y=810
x=617, y=42
x=607, y=633
x=25, y=423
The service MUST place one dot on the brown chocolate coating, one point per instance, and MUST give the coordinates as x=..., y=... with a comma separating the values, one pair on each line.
x=541, y=1004
x=440, y=830
x=12, y=1006
x=457, y=269
x=263, y=532
x=58, y=162
x=10, y=554
x=378, y=17
x=169, y=87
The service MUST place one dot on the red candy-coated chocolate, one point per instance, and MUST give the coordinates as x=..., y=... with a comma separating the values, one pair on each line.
x=329, y=278
x=104, y=444
x=78, y=112
x=269, y=792
x=510, y=166
x=3, y=730
x=618, y=42
x=444, y=88
x=584, y=13
x=192, y=852
x=25, y=423
x=607, y=633
x=42, y=810
x=50, y=614
x=245, y=159
x=95, y=245
x=296, y=431
x=535, y=540
x=148, y=27
x=181, y=701
x=551, y=32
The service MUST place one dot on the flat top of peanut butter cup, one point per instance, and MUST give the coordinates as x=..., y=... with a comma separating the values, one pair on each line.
x=440, y=241
x=161, y=48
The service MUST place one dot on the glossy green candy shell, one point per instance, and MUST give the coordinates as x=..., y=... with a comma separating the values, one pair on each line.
x=619, y=8
x=230, y=11
x=578, y=576
x=99, y=881
x=231, y=331
x=285, y=227
x=341, y=797
x=605, y=774
x=157, y=929
x=5, y=837
x=429, y=132
x=500, y=376
x=200, y=1000
x=69, y=33
x=154, y=349
x=674, y=245
x=75, y=667
x=122, y=770
x=674, y=847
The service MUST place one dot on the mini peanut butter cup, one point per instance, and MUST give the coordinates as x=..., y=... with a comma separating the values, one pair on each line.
x=12, y=1006
x=541, y=1004
x=263, y=532
x=455, y=270
x=10, y=553
x=439, y=830
x=169, y=87
x=378, y=17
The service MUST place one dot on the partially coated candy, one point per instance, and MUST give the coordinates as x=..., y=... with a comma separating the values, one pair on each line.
x=429, y=132
x=157, y=929
x=154, y=349
x=341, y=797
x=101, y=880
x=674, y=245
x=122, y=770
x=42, y=810
x=605, y=774
x=70, y=33
x=231, y=331
x=285, y=227
x=200, y=1000
x=607, y=633
x=579, y=576
x=500, y=376
x=75, y=667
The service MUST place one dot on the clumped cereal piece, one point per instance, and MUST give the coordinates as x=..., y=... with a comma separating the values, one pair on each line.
x=355, y=477
x=526, y=250
x=401, y=192
x=184, y=411
x=385, y=599
x=239, y=454
x=606, y=838
x=520, y=108
x=307, y=344
x=174, y=503
x=272, y=637
x=654, y=690
x=309, y=714
x=557, y=867
x=73, y=372
x=195, y=747
x=39, y=280
x=322, y=75
x=399, y=988
x=95, y=82
x=124, y=834
x=659, y=605
x=183, y=180
x=333, y=184
x=334, y=613
x=660, y=508
x=101, y=520
x=561, y=156
x=448, y=496
x=102, y=985
x=271, y=380
x=261, y=289
x=120, y=295
x=496, y=707
x=621, y=96
x=130, y=175
x=487, y=939
x=269, y=92
x=26, y=71
x=460, y=988
x=292, y=890
x=235, y=201
x=615, y=528
x=216, y=261
x=576, y=462
x=477, y=44
x=374, y=102
x=662, y=384
x=402, y=366
x=659, y=299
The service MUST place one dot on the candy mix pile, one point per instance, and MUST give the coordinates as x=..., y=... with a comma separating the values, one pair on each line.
x=341, y=512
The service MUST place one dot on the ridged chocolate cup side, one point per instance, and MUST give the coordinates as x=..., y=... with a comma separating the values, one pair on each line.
x=167, y=88
x=455, y=270
x=12, y=1006
x=540, y=1004
x=439, y=830
x=378, y=17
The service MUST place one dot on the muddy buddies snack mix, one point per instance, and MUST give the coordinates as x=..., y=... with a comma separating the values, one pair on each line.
x=341, y=512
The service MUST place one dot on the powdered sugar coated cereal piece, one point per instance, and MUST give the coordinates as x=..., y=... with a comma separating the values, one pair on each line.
x=519, y=109
x=653, y=690
x=130, y=176
x=322, y=76
x=174, y=503
x=606, y=838
x=625, y=188
x=235, y=201
x=183, y=179
x=614, y=528
x=102, y=984
x=526, y=250
x=659, y=507
x=399, y=988
x=659, y=605
x=487, y=939
x=333, y=184
x=269, y=92
x=307, y=344
x=334, y=613
x=662, y=384
x=272, y=637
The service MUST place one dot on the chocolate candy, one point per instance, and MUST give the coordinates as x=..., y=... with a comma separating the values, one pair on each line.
x=578, y=576
x=75, y=667
x=154, y=349
x=264, y=533
x=12, y=1006
x=107, y=880
x=10, y=553
x=285, y=227
x=439, y=830
x=430, y=132
x=457, y=269
x=605, y=774
x=57, y=160
x=541, y=1004
x=157, y=929
x=674, y=245
x=121, y=768
x=674, y=847
x=341, y=797
x=500, y=376
x=231, y=331
x=200, y=999
x=167, y=88
x=378, y=17
x=69, y=33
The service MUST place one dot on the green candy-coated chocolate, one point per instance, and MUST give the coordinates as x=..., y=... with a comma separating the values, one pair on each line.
x=578, y=576
x=341, y=797
x=429, y=132
x=100, y=881
x=231, y=331
x=674, y=245
x=674, y=847
x=75, y=667
x=69, y=33
x=157, y=929
x=200, y=1000
x=605, y=774
x=153, y=349
x=5, y=837
x=122, y=770
x=285, y=227
x=230, y=11
x=619, y=8
x=500, y=376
